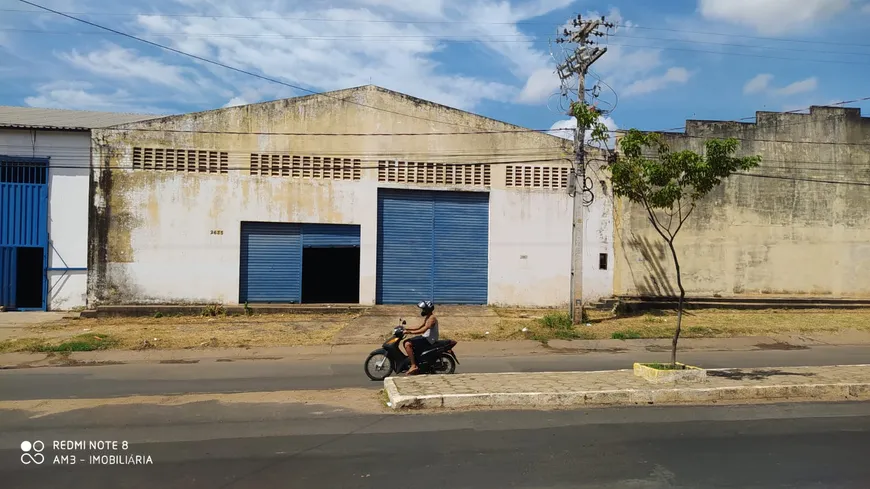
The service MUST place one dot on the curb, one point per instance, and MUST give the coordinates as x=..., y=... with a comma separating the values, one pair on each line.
x=631, y=397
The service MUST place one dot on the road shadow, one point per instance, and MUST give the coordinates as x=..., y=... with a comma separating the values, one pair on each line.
x=758, y=374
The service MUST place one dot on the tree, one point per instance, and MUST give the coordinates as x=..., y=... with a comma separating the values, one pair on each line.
x=669, y=184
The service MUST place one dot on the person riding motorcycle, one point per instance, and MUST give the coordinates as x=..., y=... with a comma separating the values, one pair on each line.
x=429, y=331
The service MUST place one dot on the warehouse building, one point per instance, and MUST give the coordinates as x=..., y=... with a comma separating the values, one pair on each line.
x=45, y=158
x=362, y=196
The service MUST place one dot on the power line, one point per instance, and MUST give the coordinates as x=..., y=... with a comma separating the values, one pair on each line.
x=794, y=111
x=452, y=38
x=233, y=68
x=385, y=166
x=776, y=39
x=747, y=55
x=431, y=22
x=775, y=48
x=458, y=39
x=800, y=179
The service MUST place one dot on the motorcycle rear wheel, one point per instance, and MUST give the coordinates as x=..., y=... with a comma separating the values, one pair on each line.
x=371, y=366
x=445, y=365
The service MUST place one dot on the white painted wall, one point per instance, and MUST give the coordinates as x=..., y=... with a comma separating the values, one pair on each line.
x=529, y=247
x=69, y=182
x=175, y=258
x=598, y=222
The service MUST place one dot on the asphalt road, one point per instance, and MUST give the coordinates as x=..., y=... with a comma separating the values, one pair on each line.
x=801, y=446
x=346, y=371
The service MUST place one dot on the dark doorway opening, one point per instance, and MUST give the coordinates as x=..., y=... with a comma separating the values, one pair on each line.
x=330, y=275
x=28, y=283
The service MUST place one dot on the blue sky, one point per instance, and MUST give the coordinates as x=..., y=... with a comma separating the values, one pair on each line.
x=668, y=60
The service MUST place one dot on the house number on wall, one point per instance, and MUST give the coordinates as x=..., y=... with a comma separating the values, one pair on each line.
x=217, y=232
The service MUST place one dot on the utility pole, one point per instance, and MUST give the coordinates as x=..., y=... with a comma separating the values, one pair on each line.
x=577, y=64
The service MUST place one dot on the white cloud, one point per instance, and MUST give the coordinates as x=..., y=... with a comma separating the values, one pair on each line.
x=772, y=16
x=84, y=96
x=866, y=8
x=797, y=87
x=674, y=76
x=565, y=129
x=394, y=55
x=539, y=87
x=116, y=62
x=762, y=84
x=758, y=84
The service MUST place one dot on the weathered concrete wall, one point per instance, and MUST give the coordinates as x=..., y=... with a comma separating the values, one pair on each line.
x=598, y=219
x=754, y=235
x=68, y=183
x=153, y=239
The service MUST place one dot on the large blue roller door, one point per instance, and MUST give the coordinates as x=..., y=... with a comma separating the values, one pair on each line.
x=271, y=257
x=433, y=245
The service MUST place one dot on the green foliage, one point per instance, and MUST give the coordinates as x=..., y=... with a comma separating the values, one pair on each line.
x=85, y=342
x=628, y=334
x=214, y=310
x=665, y=366
x=649, y=173
x=559, y=325
x=589, y=117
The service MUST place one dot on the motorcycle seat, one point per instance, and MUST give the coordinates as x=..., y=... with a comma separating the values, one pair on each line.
x=441, y=343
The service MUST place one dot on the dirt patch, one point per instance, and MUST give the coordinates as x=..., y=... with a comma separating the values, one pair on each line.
x=182, y=332
x=758, y=374
x=247, y=358
x=181, y=362
x=357, y=400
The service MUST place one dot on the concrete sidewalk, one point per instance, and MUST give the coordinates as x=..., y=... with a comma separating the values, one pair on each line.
x=622, y=387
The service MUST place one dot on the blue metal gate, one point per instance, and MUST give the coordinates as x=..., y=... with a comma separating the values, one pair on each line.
x=8, y=276
x=433, y=245
x=23, y=221
x=271, y=257
x=271, y=263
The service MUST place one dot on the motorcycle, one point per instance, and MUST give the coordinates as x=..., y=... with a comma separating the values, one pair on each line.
x=389, y=358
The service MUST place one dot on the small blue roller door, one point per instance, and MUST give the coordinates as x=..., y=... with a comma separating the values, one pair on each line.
x=461, y=247
x=433, y=245
x=405, y=247
x=271, y=257
x=271, y=263
x=330, y=235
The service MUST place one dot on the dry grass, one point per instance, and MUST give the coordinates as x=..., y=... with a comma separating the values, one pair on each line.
x=189, y=332
x=539, y=324
x=707, y=323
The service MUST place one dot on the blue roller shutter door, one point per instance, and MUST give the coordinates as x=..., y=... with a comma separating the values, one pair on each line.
x=271, y=257
x=330, y=235
x=433, y=245
x=405, y=247
x=461, y=248
x=271, y=263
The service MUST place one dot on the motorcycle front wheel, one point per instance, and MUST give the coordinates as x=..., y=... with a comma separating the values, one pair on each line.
x=444, y=365
x=378, y=366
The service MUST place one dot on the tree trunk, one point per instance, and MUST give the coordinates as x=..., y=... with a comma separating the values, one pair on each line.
x=679, y=306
